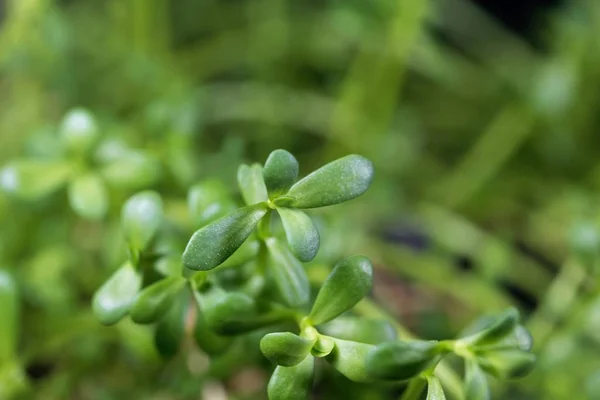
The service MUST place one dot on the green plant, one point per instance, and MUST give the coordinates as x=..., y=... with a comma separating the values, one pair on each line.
x=242, y=271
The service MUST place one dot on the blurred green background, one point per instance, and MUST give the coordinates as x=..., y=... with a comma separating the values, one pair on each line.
x=483, y=132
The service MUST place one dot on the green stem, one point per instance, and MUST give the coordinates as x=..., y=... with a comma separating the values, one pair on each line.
x=414, y=389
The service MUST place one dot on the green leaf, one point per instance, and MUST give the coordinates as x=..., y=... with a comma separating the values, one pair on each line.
x=323, y=346
x=170, y=330
x=364, y=330
x=280, y=172
x=32, y=179
x=349, y=359
x=78, y=130
x=401, y=360
x=302, y=235
x=88, y=196
x=292, y=383
x=9, y=315
x=131, y=170
x=288, y=273
x=141, y=217
x=476, y=385
x=211, y=245
x=251, y=183
x=210, y=342
x=169, y=265
x=339, y=181
x=154, y=301
x=208, y=201
x=112, y=301
x=228, y=312
x=434, y=389
x=502, y=327
x=506, y=363
x=350, y=280
x=285, y=348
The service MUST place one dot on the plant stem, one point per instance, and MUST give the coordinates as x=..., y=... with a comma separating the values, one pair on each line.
x=414, y=389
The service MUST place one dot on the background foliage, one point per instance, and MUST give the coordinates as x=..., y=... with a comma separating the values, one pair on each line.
x=484, y=144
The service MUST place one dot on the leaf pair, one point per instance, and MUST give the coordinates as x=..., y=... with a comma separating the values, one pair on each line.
x=341, y=180
x=140, y=218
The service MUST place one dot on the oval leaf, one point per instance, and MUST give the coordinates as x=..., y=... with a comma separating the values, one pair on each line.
x=251, y=183
x=280, y=172
x=211, y=343
x=506, y=363
x=228, y=312
x=339, y=181
x=285, y=348
x=350, y=280
x=170, y=330
x=434, y=389
x=112, y=301
x=288, y=273
x=292, y=383
x=9, y=315
x=476, y=385
x=154, y=301
x=213, y=244
x=131, y=170
x=364, y=330
x=141, y=217
x=78, y=130
x=302, y=235
x=500, y=329
x=88, y=196
x=401, y=360
x=31, y=179
x=208, y=201
x=349, y=359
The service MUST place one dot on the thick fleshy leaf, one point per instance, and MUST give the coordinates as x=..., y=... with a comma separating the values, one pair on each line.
x=288, y=273
x=506, y=364
x=350, y=280
x=349, y=359
x=210, y=342
x=170, y=330
x=292, y=383
x=339, y=181
x=31, y=179
x=280, y=172
x=112, y=301
x=88, y=196
x=228, y=312
x=252, y=184
x=13, y=381
x=302, y=235
x=401, y=360
x=211, y=245
x=78, y=130
x=476, y=385
x=434, y=389
x=208, y=201
x=131, y=170
x=285, y=348
x=503, y=326
x=9, y=315
x=141, y=217
x=153, y=302
x=364, y=330
x=169, y=265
